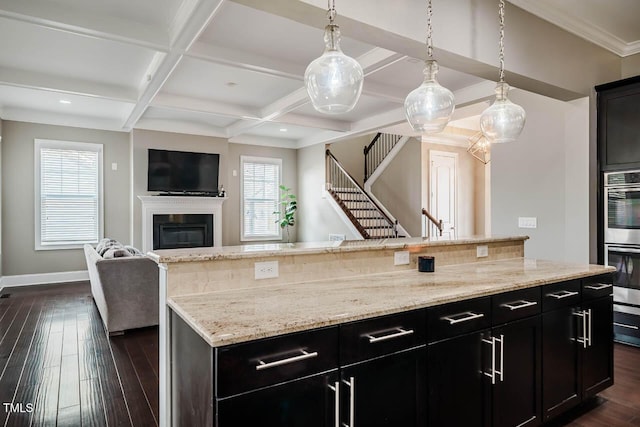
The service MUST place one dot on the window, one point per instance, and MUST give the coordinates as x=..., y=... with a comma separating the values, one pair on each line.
x=260, y=198
x=68, y=181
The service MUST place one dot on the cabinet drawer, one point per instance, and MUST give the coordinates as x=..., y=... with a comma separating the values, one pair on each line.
x=562, y=294
x=260, y=363
x=449, y=320
x=383, y=335
x=626, y=324
x=597, y=286
x=515, y=305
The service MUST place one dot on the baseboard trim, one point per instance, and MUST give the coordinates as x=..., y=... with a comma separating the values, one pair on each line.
x=43, y=278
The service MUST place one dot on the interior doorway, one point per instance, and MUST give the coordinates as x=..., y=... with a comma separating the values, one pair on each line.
x=443, y=194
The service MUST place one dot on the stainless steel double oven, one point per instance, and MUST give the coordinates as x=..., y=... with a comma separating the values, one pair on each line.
x=622, y=237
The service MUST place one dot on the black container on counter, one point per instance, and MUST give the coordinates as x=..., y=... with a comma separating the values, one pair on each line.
x=426, y=264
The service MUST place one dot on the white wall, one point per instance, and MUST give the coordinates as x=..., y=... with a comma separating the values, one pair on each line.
x=317, y=219
x=545, y=174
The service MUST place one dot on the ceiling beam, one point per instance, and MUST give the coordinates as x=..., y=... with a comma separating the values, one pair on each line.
x=181, y=126
x=84, y=23
x=58, y=119
x=191, y=30
x=185, y=103
x=72, y=86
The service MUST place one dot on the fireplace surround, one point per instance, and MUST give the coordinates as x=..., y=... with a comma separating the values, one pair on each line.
x=175, y=206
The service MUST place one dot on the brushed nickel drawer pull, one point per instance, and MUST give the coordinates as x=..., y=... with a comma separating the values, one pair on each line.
x=622, y=325
x=336, y=389
x=599, y=286
x=304, y=356
x=470, y=316
x=563, y=294
x=401, y=333
x=522, y=304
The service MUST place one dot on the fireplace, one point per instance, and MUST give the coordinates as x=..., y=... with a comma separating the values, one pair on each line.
x=175, y=231
x=196, y=233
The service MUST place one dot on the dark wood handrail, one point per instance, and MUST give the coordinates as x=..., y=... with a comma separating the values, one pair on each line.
x=372, y=143
x=436, y=222
x=355, y=183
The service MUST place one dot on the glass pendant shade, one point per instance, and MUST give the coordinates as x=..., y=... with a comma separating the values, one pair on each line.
x=429, y=107
x=503, y=121
x=334, y=80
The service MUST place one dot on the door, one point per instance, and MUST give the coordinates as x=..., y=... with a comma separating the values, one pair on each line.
x=308, y=402
x=516, y=394
x=597, y=359
x=389, y=391
x=560, y=362
x=443, y=202
x=456, y=395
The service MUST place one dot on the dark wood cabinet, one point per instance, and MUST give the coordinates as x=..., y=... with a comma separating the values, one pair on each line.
x=619, y=124
x=385, y=392
x=597, y=360
x=457, y=393
x=516, y=394
x=308, y=402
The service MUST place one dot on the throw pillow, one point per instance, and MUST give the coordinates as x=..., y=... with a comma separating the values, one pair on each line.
x=133, y=251
x=116, y=253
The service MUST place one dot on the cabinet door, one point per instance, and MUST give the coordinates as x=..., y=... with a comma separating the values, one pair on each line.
x=560, y=362
x=455, y=381
x=308, y=402
x=597, y=359
x=618, y=124
x=389, y=391
x=516, y=395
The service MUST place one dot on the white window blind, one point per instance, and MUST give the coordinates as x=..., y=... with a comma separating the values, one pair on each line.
x=68, y=205
x=260, y=198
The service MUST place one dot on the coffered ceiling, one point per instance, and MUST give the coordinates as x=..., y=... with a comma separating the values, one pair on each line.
x=207, y=67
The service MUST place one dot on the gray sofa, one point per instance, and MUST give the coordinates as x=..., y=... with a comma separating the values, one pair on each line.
x=125, y=290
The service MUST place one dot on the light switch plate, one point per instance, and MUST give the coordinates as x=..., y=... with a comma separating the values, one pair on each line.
x=401, y=258
x=527, y=222
x=482, y=251
x=266, y=270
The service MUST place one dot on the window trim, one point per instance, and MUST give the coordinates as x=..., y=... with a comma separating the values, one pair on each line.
x=255, y=159
x=69, y=145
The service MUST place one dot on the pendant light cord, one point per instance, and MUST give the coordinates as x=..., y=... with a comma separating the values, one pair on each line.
x=331, y=10
x=501, y=54
x=429, y=31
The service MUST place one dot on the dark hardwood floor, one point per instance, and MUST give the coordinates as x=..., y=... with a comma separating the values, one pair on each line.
x=56, y=357
x=58, y=367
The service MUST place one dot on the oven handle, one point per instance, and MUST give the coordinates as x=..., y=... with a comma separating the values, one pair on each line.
x=622, y=249
x=628, y=187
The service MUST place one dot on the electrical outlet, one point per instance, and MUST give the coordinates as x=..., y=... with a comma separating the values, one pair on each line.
x=482, y=251
x=336, y=237
x=401, y=258
x=266, y=270
x=527, y=222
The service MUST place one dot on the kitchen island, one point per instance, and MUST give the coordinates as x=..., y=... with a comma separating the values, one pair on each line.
x=418, y=345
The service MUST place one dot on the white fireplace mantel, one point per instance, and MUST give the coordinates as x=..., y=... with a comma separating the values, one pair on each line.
x=167, y=205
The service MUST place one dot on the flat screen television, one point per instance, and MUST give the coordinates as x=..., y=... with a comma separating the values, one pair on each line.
x=183, y=172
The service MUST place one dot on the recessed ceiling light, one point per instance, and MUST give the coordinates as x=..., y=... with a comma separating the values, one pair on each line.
x=65, y=101
x=231, y=84
x=283, y=129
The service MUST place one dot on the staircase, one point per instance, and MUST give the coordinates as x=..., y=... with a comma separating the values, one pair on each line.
x=374, y=153
x=366, y=216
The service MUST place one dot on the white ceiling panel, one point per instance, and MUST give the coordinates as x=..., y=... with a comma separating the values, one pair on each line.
x=367, y=106
x=274, y=130
x=34, y=48
x=205, y=80
x=243, y=28
x=159, y=113
x=45, y=101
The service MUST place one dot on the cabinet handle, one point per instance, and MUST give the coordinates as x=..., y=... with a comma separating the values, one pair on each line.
x=622, y=325
x=501, y=372
x=590, y=342
x=401, y=333
x=599, y=286
x=304, y=356
x=352, y=401
x=563, y=294
x=470, y=316
x=517, y=305
x=583, y=340
x=492, y=343
x=336, y=388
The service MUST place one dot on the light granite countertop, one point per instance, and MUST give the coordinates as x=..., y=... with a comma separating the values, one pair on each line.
x=234, y=316
x=306, y=248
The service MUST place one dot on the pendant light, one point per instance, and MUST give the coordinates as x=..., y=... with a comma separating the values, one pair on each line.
x=429, y=107
x=503, y=121
x=334, y=80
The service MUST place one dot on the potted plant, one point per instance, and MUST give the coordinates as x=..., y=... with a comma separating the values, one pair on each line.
x=289, y=206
